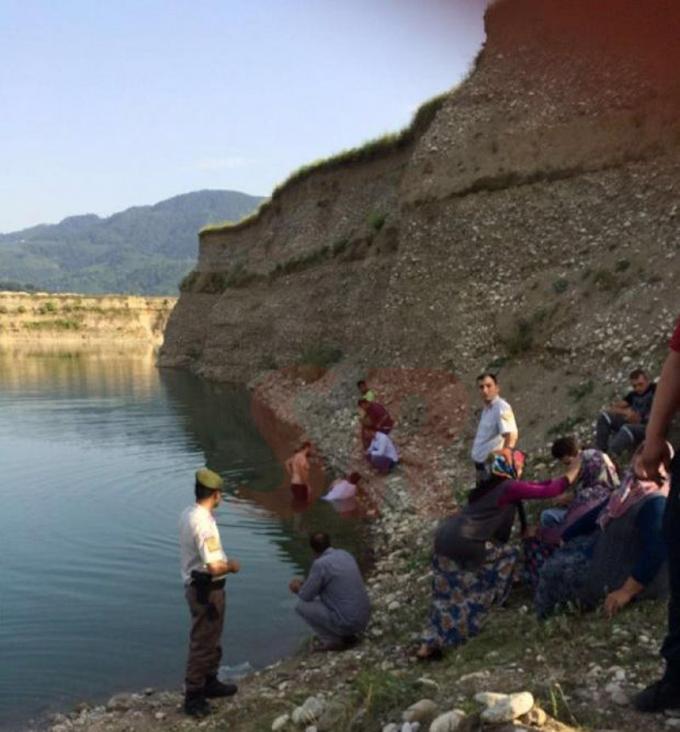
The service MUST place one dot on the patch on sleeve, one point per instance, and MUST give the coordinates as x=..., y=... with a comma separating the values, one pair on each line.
x=507, y=415
x=212, y=544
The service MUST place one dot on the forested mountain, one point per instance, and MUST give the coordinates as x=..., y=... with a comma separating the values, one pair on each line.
x=142, y=250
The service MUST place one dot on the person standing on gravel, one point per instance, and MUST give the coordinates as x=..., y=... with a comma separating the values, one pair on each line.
x=204, y=569
x=665, y=693
x=497, y=427
x=622, y=425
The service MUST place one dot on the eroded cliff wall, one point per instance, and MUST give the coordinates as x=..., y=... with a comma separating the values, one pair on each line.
x=70, y=320
x=532, y=223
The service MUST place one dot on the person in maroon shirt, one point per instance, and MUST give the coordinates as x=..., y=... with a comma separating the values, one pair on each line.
x=375, y=418
x=665, y=693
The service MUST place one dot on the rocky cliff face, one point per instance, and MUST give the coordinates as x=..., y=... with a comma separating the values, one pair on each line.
x=531, y=223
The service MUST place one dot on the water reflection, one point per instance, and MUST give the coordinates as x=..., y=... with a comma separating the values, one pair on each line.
x=98, y=453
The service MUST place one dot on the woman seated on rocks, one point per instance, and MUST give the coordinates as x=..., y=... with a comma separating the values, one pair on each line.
x=473, y=567
x=618, y=544
x=590, y=480
x=596, y=479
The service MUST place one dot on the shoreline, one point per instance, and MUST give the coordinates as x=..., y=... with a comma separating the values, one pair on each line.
x=370, y=686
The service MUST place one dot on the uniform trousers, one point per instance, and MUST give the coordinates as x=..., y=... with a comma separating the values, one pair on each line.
x=205, y=639
x=670, y=649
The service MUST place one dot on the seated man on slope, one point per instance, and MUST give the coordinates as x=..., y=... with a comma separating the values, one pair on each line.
x=622, y=425
x=381, y=453
x=333, y=598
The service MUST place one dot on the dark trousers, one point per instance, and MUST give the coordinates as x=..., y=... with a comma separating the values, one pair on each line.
x=614, y=435
x=671, y=645
x=205, y=648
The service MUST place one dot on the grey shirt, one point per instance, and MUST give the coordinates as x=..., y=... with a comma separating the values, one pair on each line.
x=336, y=580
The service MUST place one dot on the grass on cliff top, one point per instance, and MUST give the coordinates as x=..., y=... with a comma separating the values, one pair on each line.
x=369, y=151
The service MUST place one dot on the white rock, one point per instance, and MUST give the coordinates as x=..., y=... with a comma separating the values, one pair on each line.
x=391, y=727
x=487, y=698
x=475, y=675
x=309, y=712
x=448, y=722
x=421, y=710
x=280, y=722
x=507, y=707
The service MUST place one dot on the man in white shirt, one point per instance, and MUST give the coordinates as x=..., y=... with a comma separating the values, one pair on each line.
x=381, y=453
x=497, y=427
x=204, y=568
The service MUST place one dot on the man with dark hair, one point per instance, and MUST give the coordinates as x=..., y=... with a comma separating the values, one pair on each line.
x=381, y=452
x=665, y=693
x=204, y=569
x=298, y=469
x=622, y=425
x=333, y=599
x=366, y=393
x=497, y=428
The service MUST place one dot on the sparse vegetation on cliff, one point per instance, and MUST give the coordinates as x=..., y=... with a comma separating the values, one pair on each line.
x=369, y=151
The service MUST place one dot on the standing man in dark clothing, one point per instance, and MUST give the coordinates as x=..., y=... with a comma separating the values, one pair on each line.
x=333, y=598
x=204, y=569
x=622, y=425
x=665, y=693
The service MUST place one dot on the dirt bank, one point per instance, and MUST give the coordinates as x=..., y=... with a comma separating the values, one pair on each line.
x=61, y=320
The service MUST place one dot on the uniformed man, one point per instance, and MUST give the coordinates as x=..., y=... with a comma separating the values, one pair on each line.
x=204, y=569
x=497, y=427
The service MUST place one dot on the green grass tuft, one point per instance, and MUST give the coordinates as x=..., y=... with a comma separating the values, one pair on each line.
x=369, y=151
x=321, y=354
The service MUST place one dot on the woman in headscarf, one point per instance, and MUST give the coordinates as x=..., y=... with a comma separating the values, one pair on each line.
x=472, y=565
x=595, y=480
x=616, y=552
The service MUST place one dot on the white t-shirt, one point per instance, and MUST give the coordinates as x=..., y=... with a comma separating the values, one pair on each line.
x=382, y=446
x=497, y=420
x=199, y=541
x=340, y=490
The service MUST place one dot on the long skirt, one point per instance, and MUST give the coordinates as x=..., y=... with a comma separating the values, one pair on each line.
x=461, y=599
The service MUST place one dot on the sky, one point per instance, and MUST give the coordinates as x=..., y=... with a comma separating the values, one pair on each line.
x=107, y=105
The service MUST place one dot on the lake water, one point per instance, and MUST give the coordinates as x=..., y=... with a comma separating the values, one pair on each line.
x=98, y=453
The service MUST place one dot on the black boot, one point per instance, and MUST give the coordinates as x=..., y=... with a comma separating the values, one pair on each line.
x=195, y=704
x=214, y=688
x=662, y=694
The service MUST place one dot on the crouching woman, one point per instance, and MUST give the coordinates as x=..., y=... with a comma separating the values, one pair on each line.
x=472, y=564
x=616, y=553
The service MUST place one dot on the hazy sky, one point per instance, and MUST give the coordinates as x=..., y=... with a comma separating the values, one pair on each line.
x=105, y=105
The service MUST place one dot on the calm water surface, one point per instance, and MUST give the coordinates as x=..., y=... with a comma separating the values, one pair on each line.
x=98, y=452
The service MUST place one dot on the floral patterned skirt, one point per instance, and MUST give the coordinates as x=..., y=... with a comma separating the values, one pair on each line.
x=461, y=599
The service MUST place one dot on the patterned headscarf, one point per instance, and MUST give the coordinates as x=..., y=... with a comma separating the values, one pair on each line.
x=633, y=489
x=507, y=464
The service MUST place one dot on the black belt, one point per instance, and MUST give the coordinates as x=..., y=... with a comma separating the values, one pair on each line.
x=210, y=586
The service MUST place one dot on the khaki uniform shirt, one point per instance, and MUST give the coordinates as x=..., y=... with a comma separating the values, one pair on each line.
x=199, y=541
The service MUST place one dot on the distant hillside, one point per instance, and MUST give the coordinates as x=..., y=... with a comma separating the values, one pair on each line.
x=143, y=250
